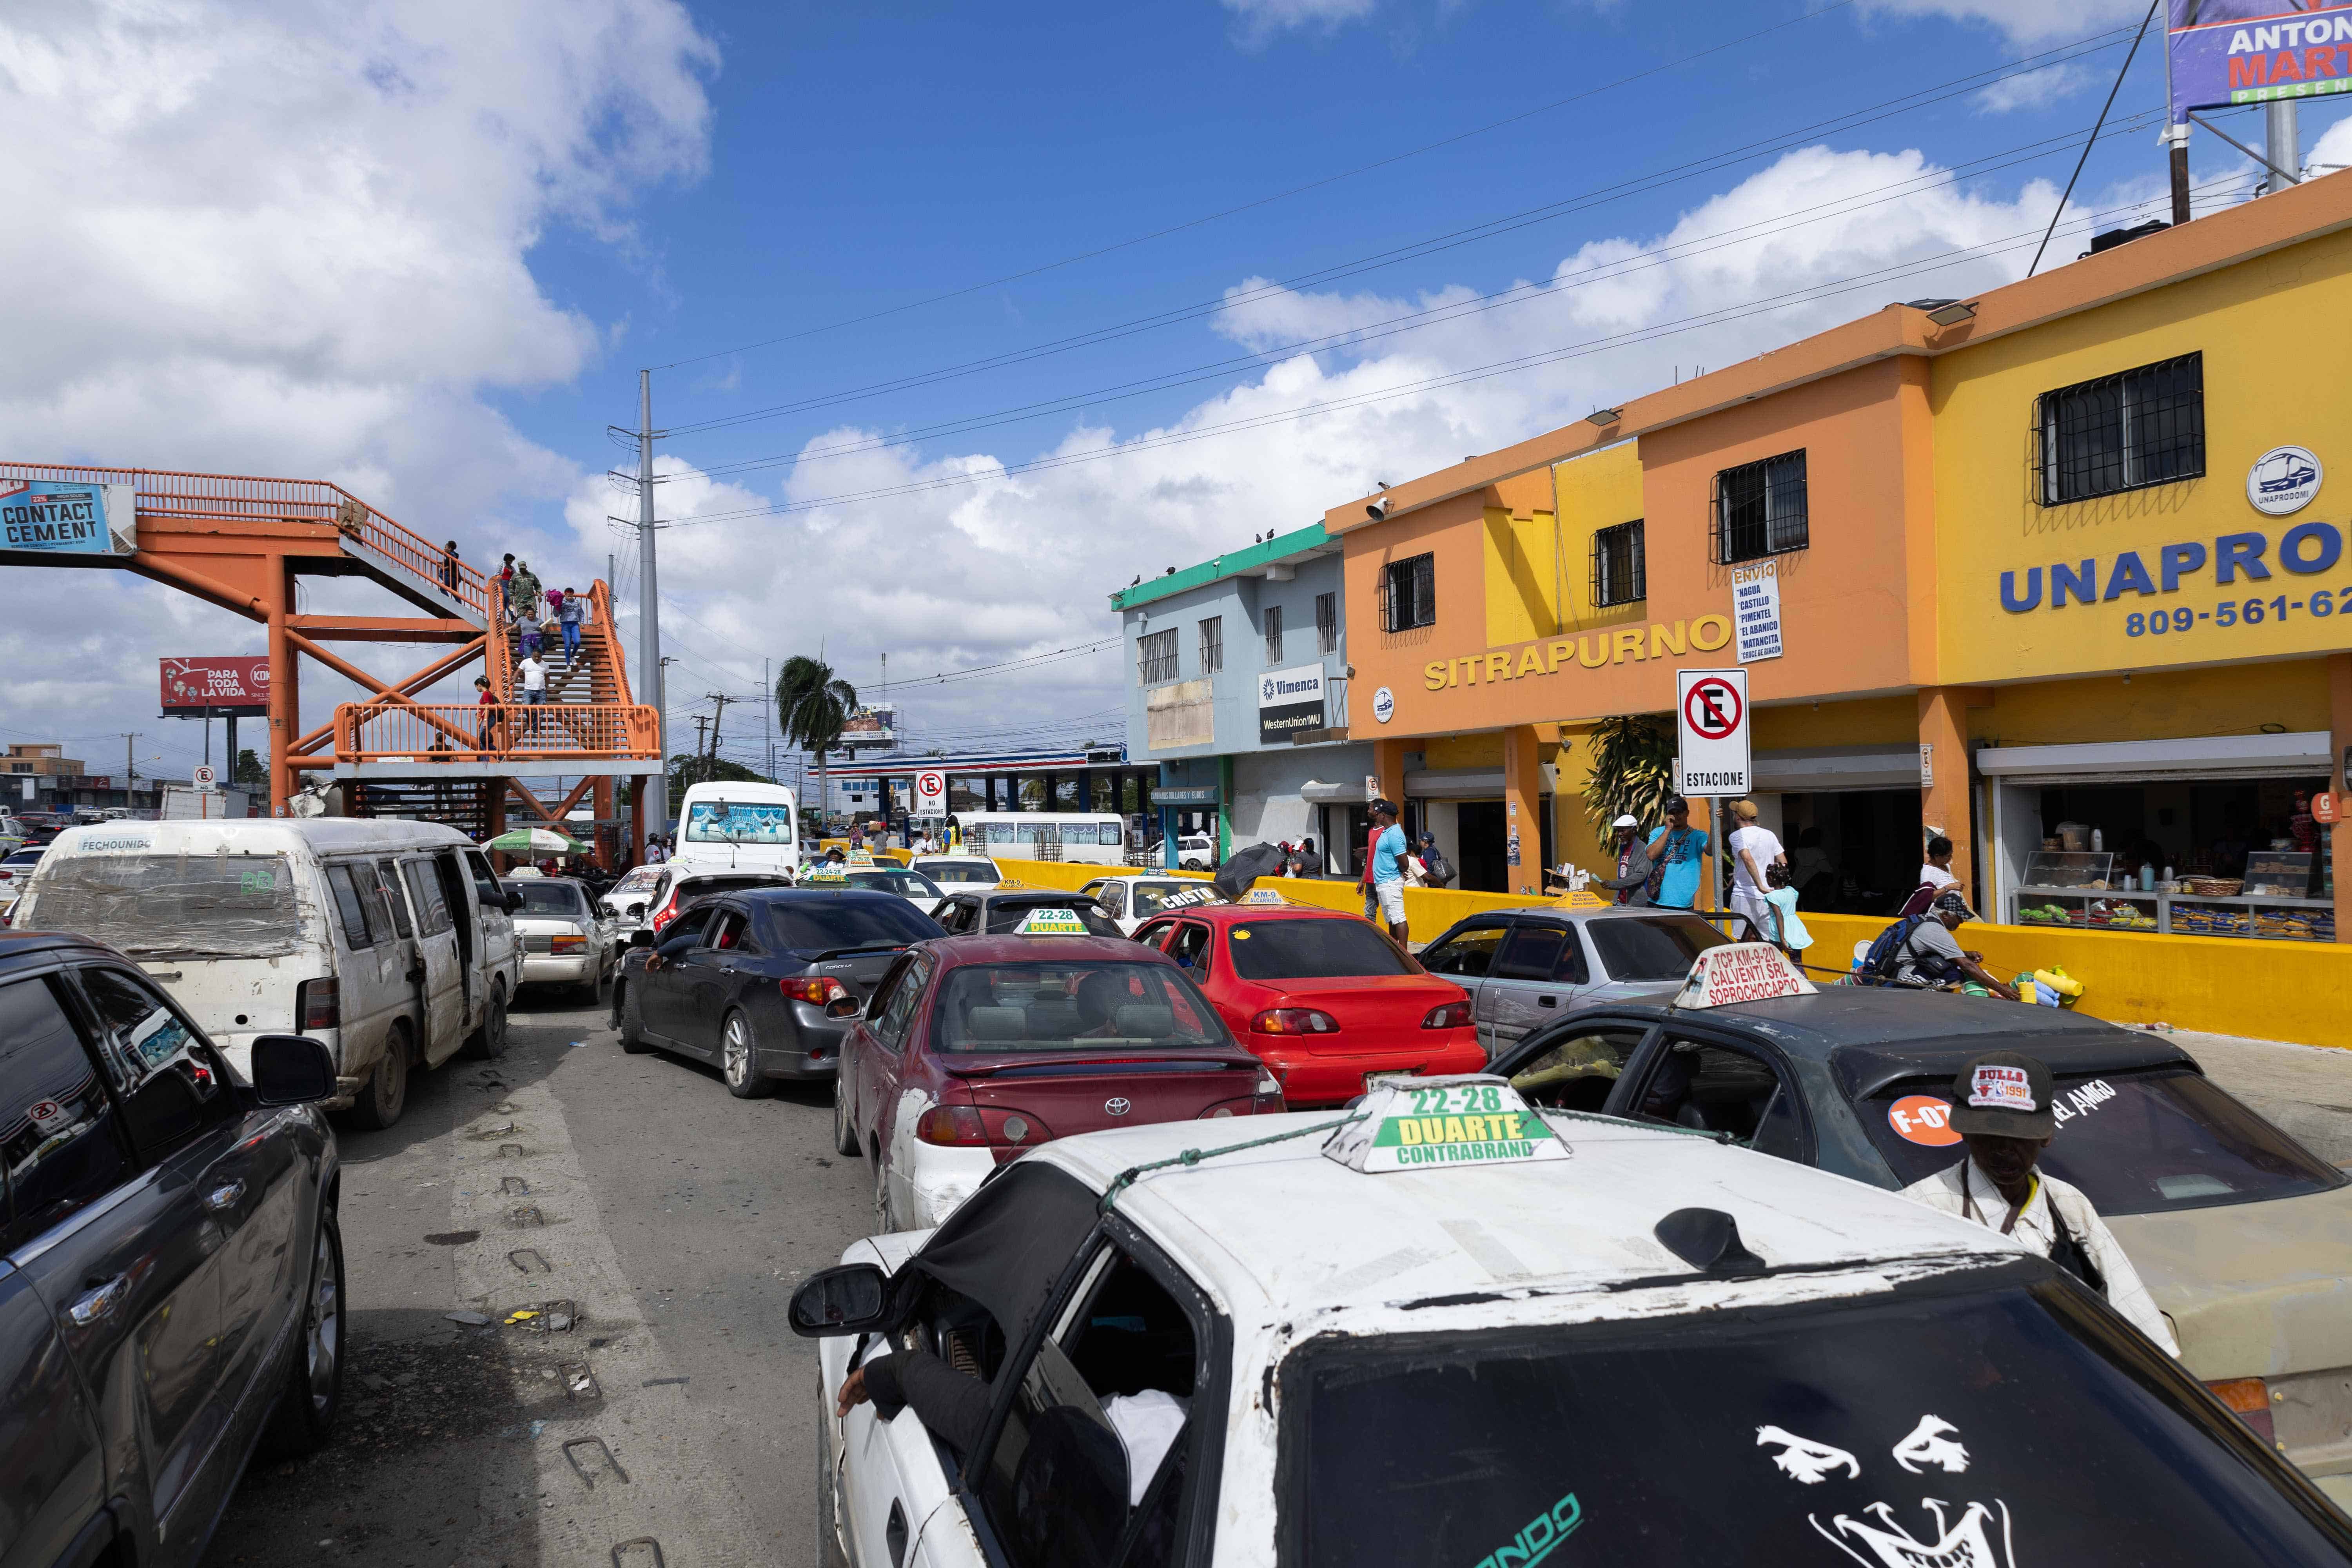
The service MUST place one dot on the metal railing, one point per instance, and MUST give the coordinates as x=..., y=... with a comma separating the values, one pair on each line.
x=426, y=733
x=168, y=493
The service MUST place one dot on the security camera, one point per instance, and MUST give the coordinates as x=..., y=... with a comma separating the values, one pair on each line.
x=1378, y=510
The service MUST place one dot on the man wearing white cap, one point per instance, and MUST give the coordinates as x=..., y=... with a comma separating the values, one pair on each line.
x=1631, y=882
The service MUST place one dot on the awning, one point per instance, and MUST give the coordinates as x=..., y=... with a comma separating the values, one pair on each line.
x=1315, y=792
x=1829, y=768
x=2303, y=753
x=1468, y=784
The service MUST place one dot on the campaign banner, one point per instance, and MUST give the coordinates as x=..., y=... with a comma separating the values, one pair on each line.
x=1289, y=701
x=217, y=686
x=55, y=518
x=2226, y=52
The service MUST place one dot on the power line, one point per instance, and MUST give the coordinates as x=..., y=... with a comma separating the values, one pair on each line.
x=1452, y=239
x=1264, y=200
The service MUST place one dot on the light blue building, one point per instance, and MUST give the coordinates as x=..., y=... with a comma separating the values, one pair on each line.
x=1237, y=688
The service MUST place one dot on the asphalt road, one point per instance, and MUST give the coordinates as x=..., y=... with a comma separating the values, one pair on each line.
x=659, y=1225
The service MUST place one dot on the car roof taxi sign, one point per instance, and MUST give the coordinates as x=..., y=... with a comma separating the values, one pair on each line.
x=1264, y=896
x=1741, y=972
x=824, y=871
x=1051, y=923
x=859, y=857
x=1462, y=1119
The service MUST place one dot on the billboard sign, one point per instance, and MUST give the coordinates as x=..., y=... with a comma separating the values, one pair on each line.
x=2226, y=52
x=54, y=520
x=1289, y=701
x=221, y=686
x=875, y=728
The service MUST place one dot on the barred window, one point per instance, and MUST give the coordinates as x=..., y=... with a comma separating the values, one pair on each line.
x=1618, y=571
x=1273, y=636
x=1156, y=656
x=1327, y=623
x=2144, y=426
x=1213, y=645
x=1759, y=510
x=1409, y=594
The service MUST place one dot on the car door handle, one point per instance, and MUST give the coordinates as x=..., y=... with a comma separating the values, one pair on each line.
x=224, y=1197
x=1547, y=1001
x=895, y=1533
x=94, y=1304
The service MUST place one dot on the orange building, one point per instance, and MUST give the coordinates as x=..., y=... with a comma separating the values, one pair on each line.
x=2113, y=427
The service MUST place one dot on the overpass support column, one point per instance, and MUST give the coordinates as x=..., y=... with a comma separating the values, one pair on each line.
x=284, y=689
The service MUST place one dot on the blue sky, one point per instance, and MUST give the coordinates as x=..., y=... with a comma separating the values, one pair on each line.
x=426, y=255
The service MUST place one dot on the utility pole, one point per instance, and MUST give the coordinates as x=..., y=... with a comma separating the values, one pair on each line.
x=2177, y=136
x=649, y=659
x=768, y=718
x=701, y=720
x=718, y=701
x=2283, y=146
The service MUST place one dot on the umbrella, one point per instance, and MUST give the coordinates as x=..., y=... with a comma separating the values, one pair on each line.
x=534, y=841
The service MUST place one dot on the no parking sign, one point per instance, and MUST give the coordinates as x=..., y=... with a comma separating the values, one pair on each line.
x=930, y=794
x=1711, y=720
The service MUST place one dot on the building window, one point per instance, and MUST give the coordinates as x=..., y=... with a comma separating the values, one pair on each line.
x=1409, y=594
x=1156, y=656
x=1619, y=573
x=1327, y=623
x=1760, y=509
x=2145, y=427
x=1273, y=636
x=1213, y=645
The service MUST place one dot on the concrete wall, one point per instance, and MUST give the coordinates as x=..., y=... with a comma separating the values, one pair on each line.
x=1239, y=604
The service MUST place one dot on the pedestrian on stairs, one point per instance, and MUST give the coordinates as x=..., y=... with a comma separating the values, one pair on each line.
x=525, y=593
x=449, y=566
x=570, y=616
x=488, y=740
x=531, y=640
x=505, y=581
x=534, y=679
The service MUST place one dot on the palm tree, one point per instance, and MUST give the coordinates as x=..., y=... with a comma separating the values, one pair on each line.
x=812, y=706
x=1631, y=758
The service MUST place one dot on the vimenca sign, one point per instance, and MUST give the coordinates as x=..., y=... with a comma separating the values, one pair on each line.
x=1289, y=701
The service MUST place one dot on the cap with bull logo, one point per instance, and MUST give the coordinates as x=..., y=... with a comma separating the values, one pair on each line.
x=2003, y=1093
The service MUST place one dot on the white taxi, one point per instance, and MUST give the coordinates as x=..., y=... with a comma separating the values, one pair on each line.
x=959, y=873
x=1131, y=901
x=1446, y=1330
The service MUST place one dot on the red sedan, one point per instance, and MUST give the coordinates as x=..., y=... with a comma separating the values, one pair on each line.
x=1322, y=997
x=973, y=1049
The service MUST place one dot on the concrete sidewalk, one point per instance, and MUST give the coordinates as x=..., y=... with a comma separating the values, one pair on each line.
x=2306, y=1089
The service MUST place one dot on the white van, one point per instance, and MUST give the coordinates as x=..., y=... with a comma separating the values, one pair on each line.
x=1095, y=839
x=391, y=941
x=738, y=826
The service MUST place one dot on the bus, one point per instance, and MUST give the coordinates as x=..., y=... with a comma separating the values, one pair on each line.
x=1095, y=839
x=738, y=826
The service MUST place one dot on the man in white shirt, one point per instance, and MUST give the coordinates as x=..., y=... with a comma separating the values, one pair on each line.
x=534, y=681
x=2001, y=1109
x=1753, y=847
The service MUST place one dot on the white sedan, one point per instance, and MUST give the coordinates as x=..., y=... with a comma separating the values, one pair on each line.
x=967, y=873
x=912, y=886
x=1416, y=1341
x=566, y=939
x=1194, y=852
x=1131, y=901
x=15, y=871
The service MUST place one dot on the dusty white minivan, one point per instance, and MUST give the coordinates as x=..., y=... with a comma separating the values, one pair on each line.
x=390, y=941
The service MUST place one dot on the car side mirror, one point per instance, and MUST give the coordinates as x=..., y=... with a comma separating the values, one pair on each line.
x=513, y=901
x=291, y=1069
x=641, y=936
x=850, y=1299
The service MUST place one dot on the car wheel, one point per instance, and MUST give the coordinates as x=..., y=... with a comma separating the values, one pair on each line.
x=385, y=1094
x=632, y=1024
x=314, y=1381
x=1194, y=866
x=739, y=1057
x=829, y=1552
x=844, y=1133
x=488, y=1043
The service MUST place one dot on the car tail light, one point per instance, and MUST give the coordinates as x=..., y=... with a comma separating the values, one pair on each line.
x=820, y=991
x=1294, y=1021
x=1264, y=1099
x=568, y=943
x=2250, y=1397
x=980, y=1127
x=1453, y=1015
x=317, y=1004
x=663, y=916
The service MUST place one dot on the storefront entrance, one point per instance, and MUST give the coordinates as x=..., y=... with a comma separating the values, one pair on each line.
x=1852, y=852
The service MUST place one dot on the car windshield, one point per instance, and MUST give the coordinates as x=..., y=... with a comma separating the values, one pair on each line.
x=962, y=871
x=1004, y=916
x=2138, y=1143
x=22, y=858
x=1312, y=949
x=905, y=884
x=1984, y=1426
x=1055, y=1007
x=738, y=822
x=641, y=880
x=161, y=906
x=1158, y=898
x=825, y=924
x=1655, y=947
x=562, y=899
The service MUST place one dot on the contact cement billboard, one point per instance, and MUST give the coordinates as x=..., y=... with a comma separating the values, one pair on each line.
x=2226, y=52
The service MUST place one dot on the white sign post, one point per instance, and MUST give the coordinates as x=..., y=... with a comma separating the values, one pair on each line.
x=1711, y=722
x=1756, y=609
x=930, y=794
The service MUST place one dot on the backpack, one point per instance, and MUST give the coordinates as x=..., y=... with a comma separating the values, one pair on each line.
x=1439, y=869
x=1878, y=965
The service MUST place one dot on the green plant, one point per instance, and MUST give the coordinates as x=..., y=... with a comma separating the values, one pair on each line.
x=812, y=706
x=1631, y=755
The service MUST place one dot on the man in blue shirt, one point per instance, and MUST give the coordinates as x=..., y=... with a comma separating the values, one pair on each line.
x=1675, y=850
x=1389, y=850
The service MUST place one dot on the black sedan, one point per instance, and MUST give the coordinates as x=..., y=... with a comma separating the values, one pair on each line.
x=995, y=911
x=171, y=1265
x=762, y=983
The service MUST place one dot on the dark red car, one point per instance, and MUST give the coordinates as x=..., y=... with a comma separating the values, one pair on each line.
x=1323, y=998
x=974, y=1049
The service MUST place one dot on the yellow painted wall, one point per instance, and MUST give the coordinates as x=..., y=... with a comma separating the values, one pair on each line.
x=1864, y=721
x=1522, y=580
x=2260, y=392
x=1484, y=750
x=2157, y=705
x=1574, y=839
x=1598, y=490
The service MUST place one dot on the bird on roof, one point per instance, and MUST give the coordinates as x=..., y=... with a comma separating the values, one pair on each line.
x=1138, y=578
x=1171, y=572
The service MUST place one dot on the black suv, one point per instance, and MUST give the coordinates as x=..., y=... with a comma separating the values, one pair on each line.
x=762, y=983
x=171, y=1267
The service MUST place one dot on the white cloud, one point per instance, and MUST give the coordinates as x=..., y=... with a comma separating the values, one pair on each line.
x=2023, y=21
x=2034, y=90
x=1261, y=19
x=293, y=237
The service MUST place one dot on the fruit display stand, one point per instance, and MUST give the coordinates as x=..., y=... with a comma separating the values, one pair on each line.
x=2072, y=889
